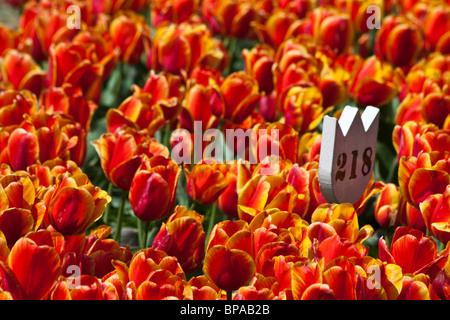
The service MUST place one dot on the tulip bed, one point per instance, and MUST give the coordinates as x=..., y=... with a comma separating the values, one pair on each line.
x=92, y=94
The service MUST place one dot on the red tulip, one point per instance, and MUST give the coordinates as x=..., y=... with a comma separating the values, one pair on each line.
x=236, y=98
x=74, y=204
x=436, y=213
x=153, y=188
x=399, y=41
x=229, y=269
x=130, y=33
x=27, y=258
x=21, y=72
x=410, y=249
x=182, y=236
x=205, y=182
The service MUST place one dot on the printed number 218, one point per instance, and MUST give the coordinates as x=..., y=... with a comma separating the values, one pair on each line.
x=342, y=161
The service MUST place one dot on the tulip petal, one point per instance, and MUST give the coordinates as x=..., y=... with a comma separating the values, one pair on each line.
x=228, y=269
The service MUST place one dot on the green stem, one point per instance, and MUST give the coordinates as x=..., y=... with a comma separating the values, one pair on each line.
x=108, y=207
x=229, y=295
x=145, y=234
x=212, y=219
x=167, y=135
x=231, y=48
x=120, y=215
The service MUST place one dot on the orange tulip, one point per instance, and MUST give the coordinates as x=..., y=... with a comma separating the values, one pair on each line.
x=20, y=71
x=410, y=249
x=130, y=33
x=139, y=111
x=229, y=269
x=196, y=107
x=121, y=152
x=74, y=204
x=375, y=82
x=388, y=206
x=441, y=283
x=436, y=212
x=399, y=41
x=79, y=65
x=258, y=64
x=227, y=201
x=232, y=235
x=173, y=11
x=276, y=28
x=230, y=18
x=434, y=106
x=21, y=210
x=157, y=275
x=437, y=25
x=359, y=13
x=14, y=104
x=344, y=220
x=302, y=107
x=423, y=176
x=69, y=101
x=236, y=97
x=332, y=29
x=182, y=236
x=180, y=48
x=29, y=257
x=44, y=26
x=153, y=188
x=205, y=182
x=266, y=192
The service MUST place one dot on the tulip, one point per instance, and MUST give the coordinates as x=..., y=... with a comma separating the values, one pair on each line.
x=78, y=65
x=302, y=107
x=27, y=258
x=196, y=107
x=414, y=288
x=236, y=98
x=74, y=204
x=175, y=11
x=399, y=41
x=120, y=154
x=375, y=82
x=182, y=236
x=180, y=48
x=130, y=33
x=258, y=64
x=410, y=249
x=14, y=104
x=436, y=26
x=266, y=192
x=276, y=28
x=21, y=72
x=149, y=262
x=70, y=101
x=387, y=206
x=229, y=269
x=227, y=201
x=436, y=210
x=153, y=188
x=230, y=18
x=138, y=110
x=410, y=110
x=344, y=220
x=434, y=106
x=422, y=176
x=359, y=12
x=332, y=29
x=441, y=283
x=205, y=182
